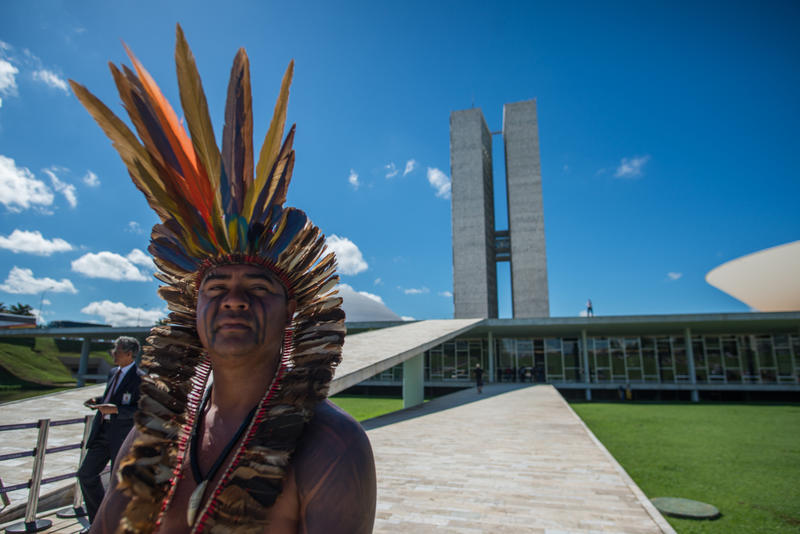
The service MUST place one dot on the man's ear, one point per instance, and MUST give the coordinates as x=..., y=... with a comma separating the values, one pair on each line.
x=291, y=307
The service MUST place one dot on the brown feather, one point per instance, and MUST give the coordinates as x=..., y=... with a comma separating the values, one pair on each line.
x=237, y=135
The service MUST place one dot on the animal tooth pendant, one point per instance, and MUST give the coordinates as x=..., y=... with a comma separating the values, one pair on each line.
x=194, y=502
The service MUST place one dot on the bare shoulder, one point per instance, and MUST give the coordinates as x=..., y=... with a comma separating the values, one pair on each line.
x=335, y=474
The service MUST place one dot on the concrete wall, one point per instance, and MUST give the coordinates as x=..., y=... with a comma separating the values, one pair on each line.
x=474, y=270
x=525, y=211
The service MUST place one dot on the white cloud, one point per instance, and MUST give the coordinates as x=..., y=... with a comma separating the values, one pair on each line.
x=440, y=182
x=407, y=318
x=583, y=313
x=8, y=78
x=33, y=243
x=21, y=281
x=378, y=282
x=445, y=294
x=134, y=228
x=108, y=265
x=416, y=291
x=118, y=314
x=91, y=179
x=19, y=188
x=410, y=166
x=353, y=179
x=391, y=170
x=348, y=256
x=138, y=257
x=363, y=306
x=68, y=190
x=631, y=167
x=51, y=79
x=46, y=302
x=674, y=276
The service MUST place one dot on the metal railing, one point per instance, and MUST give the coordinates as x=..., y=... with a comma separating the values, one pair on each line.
x=34, y=484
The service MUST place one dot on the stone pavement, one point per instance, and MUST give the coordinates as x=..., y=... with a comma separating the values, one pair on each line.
x=513, y=459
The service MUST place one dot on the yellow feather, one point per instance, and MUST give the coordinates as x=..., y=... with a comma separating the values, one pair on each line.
x=272, y=143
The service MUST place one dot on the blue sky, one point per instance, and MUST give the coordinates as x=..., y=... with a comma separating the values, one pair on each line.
x=669, y=140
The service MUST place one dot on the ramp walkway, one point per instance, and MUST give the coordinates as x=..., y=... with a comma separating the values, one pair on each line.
x=513, y=459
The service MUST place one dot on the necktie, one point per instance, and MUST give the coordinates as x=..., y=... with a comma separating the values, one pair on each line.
x=112, y=386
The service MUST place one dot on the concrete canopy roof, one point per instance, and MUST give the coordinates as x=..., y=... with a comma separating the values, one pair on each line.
x=767, y=280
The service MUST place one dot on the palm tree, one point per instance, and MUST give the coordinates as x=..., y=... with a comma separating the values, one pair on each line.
x=3, y=308
x=21, y=309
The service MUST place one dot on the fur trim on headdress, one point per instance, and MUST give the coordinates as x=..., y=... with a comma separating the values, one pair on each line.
x=217, y=207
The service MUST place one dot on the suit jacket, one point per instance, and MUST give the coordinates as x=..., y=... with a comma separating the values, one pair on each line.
x=126, y=398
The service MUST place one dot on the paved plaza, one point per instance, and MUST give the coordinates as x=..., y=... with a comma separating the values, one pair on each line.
x=513, y=459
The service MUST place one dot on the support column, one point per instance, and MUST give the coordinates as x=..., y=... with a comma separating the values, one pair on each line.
x=490, y=339
x=83, y=364
x=414, y=381
x=587, y=379
x=687, y=340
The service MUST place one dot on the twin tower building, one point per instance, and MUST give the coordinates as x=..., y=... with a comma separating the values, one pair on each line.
x=477, y=245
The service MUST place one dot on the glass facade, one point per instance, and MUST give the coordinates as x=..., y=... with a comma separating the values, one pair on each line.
x=718, y=359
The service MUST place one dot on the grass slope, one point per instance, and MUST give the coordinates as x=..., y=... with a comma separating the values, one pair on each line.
x=362, y=408
x=743, y=459
x=39, y=366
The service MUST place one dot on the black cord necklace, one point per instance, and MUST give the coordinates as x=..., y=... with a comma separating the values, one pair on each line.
x=202, y=482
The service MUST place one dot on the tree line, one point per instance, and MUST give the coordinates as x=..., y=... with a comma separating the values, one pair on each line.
x=17, y=309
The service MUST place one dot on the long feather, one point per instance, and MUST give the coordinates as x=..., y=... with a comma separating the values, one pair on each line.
x=133, y=154
x=274, y=192
x=163, y=158
x=196, y=180
x=272, y=141
x=195, y=109
x=237, y=135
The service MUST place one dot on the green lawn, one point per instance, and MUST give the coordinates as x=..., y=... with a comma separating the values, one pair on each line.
x=39, y=365
x=742, y=458
x=362, y=408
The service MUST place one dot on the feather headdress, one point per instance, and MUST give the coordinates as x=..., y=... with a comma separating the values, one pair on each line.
x=218, y=207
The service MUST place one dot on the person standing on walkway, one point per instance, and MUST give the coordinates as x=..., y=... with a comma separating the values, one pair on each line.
x=112, y=422
x=589, y=309
x=478, y=377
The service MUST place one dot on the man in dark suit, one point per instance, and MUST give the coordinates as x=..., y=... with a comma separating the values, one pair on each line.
x=112, y=422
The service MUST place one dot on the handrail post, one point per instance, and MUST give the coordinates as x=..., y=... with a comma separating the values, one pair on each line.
x=77, y=510
x=3, y=496
x=32, y=524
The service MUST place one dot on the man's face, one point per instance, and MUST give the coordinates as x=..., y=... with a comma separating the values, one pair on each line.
x=242, y=310
x=121, y=357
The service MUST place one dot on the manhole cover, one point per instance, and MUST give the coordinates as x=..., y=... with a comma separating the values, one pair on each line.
x=685, y=508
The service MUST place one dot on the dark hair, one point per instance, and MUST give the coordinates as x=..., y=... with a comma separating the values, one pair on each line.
x=127, y=344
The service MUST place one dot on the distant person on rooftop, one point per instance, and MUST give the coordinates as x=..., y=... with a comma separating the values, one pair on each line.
x=112, y=422
x=589, y=309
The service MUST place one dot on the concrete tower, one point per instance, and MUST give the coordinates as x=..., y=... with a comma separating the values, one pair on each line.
x=474, y=270
x=477, y=247
x=525, y=211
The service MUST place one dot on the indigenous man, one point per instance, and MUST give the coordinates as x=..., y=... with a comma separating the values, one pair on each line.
x=233, y=433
